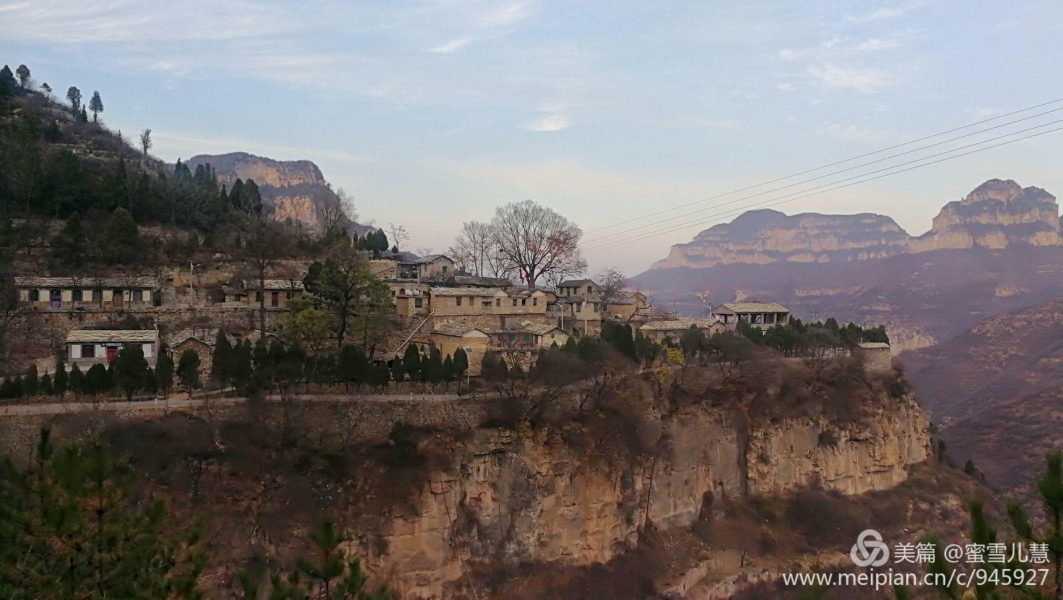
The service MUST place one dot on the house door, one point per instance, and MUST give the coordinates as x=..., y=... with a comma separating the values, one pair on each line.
x=55, y=298
x=275, y=299
x=116, y=298
x=112, y=353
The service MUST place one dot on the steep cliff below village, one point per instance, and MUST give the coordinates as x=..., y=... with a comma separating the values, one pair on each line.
x=509, y=501
x=761, y=237
x=295, y=190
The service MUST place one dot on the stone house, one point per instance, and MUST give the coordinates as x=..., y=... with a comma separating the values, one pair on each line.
x=455, y=337
x=628, y=307
x=760, y=314
x=86, y=293
x=410, y=301
x=528, y=336
x=200, y=340
x=87, y=347
x=583, y=312
x=277, y=293
x=674, y=329
x=576, y=287
x=434, y=267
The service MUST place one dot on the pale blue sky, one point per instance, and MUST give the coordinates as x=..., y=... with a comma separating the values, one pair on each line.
x=433, y=112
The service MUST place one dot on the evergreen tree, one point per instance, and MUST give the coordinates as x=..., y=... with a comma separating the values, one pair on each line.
x=398, y=373
x=30, y=382
x=70, y=247
x=164, y=373
x=123, y=244
x=72, y=529
x=221, y=360
x=411, y=362
x=97, y=381
x=7, y=79
x=45, y=387
x=23, y=73
x=448, y=369
x=570, y=346
x=432, y=368
x=352, y=367
x=96, y=105
x=84, y=115
x=60, y=381
x=130, y=370
x=188, y=371
x=73, y=95
x=241, y=369
x=381, y=375
x=76, y=382
x=151, y=384
x=461, y=363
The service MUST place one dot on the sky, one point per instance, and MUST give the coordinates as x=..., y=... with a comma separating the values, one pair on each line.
x=434, y=112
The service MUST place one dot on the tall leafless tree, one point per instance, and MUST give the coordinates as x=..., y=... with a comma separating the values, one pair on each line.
x=536, y=243
x=398, y=235
x=145, y=141
x=264, y=242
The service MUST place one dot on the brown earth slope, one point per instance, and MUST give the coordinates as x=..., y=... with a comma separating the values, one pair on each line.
x=996, y=392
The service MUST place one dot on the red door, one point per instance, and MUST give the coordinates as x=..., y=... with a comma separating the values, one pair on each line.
x=112, y=353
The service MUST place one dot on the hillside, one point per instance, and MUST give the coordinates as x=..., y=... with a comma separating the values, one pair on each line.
x=996, y=392
x=294, y=190
x=995, y=251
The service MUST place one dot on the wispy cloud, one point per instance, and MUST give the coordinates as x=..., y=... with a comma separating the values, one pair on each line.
x=865, y=81
x=876, y=44
x=882, y=14
x=508, y=14
x=548, y=123
x=451, y=46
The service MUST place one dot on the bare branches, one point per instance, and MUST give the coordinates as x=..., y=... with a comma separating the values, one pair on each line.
x=536, y=242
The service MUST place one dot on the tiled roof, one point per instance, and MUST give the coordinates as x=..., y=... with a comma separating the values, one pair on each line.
x=486, y=292
x=752, y=307
x=86, y=282
x=575, y=283
x=540, y=329
x=474, y=280
x=424, y=260
x=84, y=336
x=280, y=285
x=207, y=336
x=456, y=329
x=678, y=324
x=873, y=345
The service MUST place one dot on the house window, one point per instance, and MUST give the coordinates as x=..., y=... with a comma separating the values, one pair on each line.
x=579, y=307
x=138, y=295
x=35, y=295
x=258, y=296
x=498, y=302
x=287, y=295
x=589, y=290
x=88, y=351
x=514, y=302
x=457, y=301
x=417, y=302
x=76, y=295
x=524, y=302
x=97, y=295
x=535, y=302
x=444, y=271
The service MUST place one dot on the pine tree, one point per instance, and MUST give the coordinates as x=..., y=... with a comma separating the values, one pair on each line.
x=124, y=245
x=97, y=381
x=221, y=360
x=70, y=246
x=411, y=362
x=188, y=371
x=76, y=382
x=130, y=370
x=30, y=382
x=164, y=373
x=448, y=369
x=461, y=363
x=60, y=382
x=398, y=373
x=352, y=367
x=96, y=105
x=45, y=387
x=432, y=368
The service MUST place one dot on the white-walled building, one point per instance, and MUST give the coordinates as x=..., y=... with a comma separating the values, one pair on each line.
x=87, y=347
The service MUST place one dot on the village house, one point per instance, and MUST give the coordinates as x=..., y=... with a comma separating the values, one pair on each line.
x=876, y=356
x=760, y=314
x=81, y=293
x=528, y=336
x=659, y=331
x=277, y=293
x=455, y=337
x=200, y=340
x=410, y=300
x=629, y=306
x=434, y=267
x=579, y=312
x=576, y=287
x=87, y=347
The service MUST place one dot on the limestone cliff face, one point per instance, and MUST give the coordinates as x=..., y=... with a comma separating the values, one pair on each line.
x=769, y=236
x=511, y=501
x=995, y=215
x=295, y=190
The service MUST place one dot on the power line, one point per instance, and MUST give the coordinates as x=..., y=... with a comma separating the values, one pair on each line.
x=701, y=210
x=887, y=149
x=776, y=201
x=838, y=172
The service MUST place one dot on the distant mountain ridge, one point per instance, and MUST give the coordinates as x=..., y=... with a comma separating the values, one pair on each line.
x=997, y=250
x=997, y=214
x=294, y=189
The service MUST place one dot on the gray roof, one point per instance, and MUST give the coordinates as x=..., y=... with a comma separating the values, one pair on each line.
x=575, y=283
x=751, y=307
x=680, y=324
x=207, y=336
x=455, y=329
x=485, y=292
x=424, y=260
x=477, y=281
x=88, y=336
x=87, y=282
x=873, y=345
x=280, y=285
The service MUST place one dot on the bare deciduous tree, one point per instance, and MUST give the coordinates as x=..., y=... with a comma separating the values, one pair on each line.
x=334, y=212
x=612, y=286
x=536, y=243
x=398, y=235
x=264, y=243
x=145, y=141
x=473, y=248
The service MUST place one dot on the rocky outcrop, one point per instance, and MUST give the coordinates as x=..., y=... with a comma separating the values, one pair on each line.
x=769, y=236
x=995, y=215
x=512, y=501
x=295, y=190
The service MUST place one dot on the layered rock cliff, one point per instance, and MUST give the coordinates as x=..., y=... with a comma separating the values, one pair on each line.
x=537, y=500
x=997, y=214
x=769, y=236
x=295, y=190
